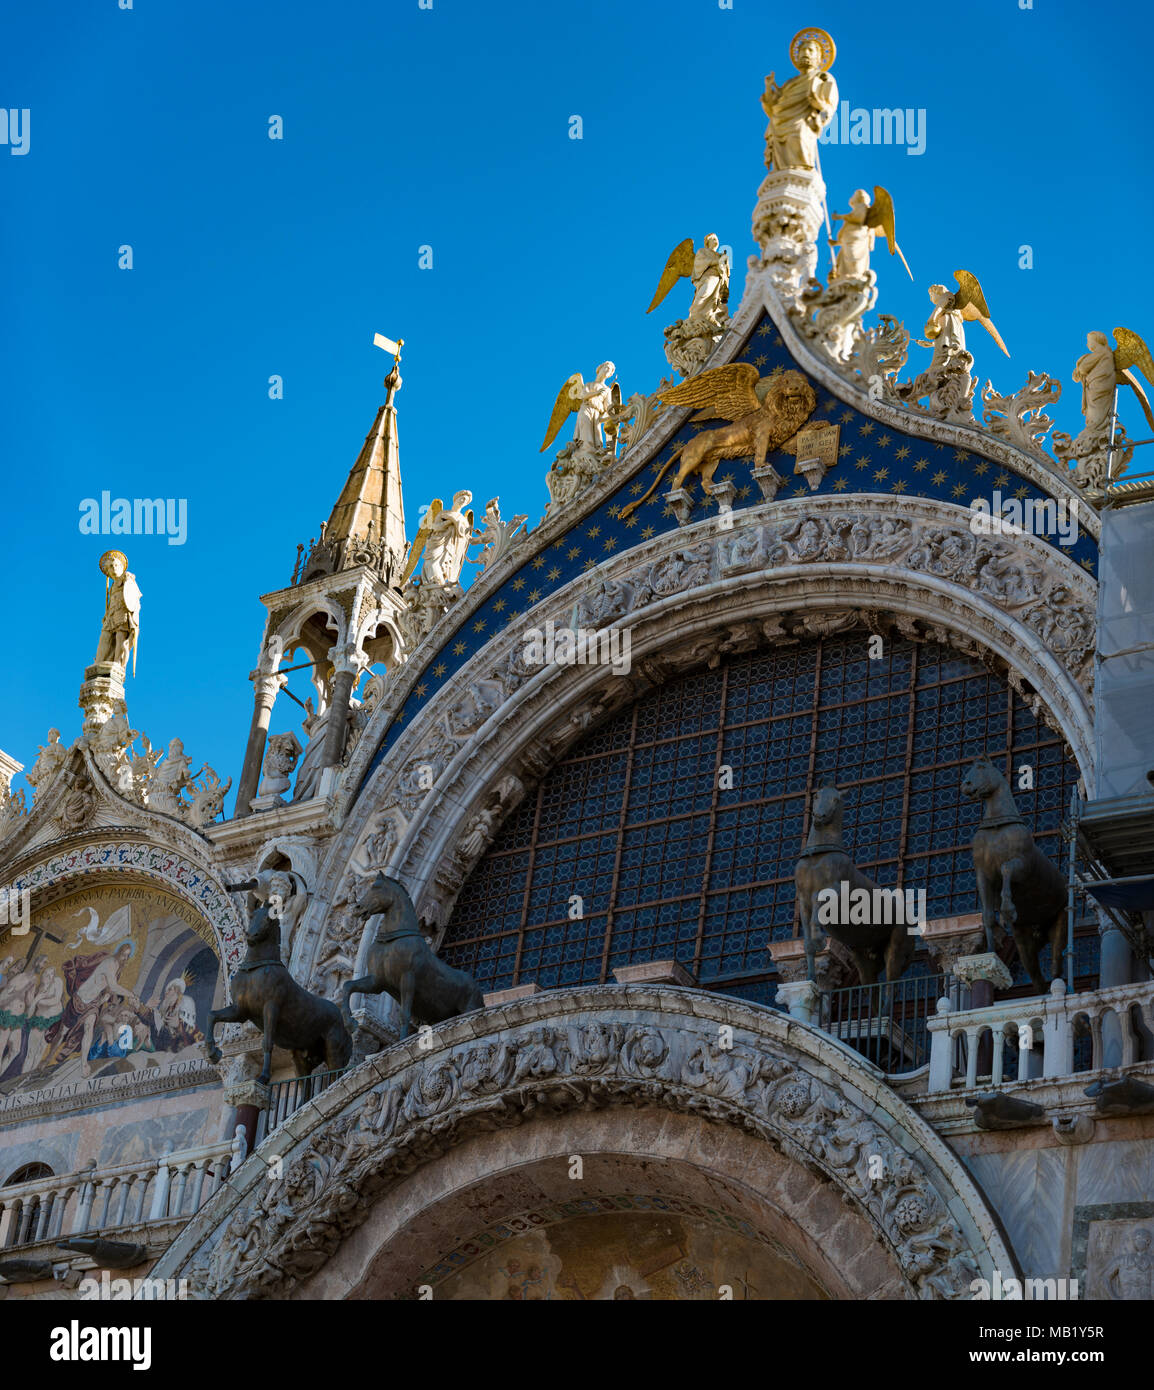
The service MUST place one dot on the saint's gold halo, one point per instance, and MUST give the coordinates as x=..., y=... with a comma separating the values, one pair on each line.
x=828, y=48
x=107, y=558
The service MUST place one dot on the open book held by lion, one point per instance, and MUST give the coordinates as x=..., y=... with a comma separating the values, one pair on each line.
x=766, y=414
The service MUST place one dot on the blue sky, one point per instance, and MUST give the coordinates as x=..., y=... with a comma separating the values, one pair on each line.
x=449, y=128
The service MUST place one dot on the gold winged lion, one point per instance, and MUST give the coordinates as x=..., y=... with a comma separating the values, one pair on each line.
x=766, y=413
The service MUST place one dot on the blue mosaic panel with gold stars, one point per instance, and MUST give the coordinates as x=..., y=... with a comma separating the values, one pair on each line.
x=874, y=458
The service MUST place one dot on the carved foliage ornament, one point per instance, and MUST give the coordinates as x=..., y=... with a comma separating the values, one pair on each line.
x=1029, y=581
x=287, y=1229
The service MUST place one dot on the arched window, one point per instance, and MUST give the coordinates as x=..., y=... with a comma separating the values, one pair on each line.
x=29, y=1173
x=668, y=861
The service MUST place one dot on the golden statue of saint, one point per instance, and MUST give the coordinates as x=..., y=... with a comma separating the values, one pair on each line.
x=121, y=626
x=801, y=109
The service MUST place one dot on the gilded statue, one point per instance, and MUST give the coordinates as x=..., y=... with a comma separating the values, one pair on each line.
x=707, y=270
x=445, y=535
x=1102, y=369
x=801, y=109
x=945, y=327
x=766, y=413
x=121, y=627
x=590, y=403
x=1102, y=450
x=859, y=229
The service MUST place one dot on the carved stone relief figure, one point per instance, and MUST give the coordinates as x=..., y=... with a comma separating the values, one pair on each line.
x=51, y=758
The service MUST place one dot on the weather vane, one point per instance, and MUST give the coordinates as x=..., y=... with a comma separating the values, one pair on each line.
x=379, y=340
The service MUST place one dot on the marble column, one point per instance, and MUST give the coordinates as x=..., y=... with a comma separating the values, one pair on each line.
x=983, y=973
x=802, y=1000
x=348, y=663
x=266, y=686
x=1115, y=969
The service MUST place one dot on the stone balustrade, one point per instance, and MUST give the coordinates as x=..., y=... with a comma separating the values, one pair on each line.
x=1042, y=1029
x=100, y=1200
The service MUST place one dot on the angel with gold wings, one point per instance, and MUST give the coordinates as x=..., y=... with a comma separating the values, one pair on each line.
x=945, y=329
x=445, y=537
x=1102, y=370
x=590, y=403
x=708, y=270
x=860, y=226
x=766, y=412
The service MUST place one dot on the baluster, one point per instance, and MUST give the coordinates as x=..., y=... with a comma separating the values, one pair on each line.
x=141, y=1193
x=178, y=1196
x=1024, y=1053
x=160, y=1193
x=17, y=1221
x=5, y=1224
x=972, y=1035
x=941, y=1042
x=1097, y=1051
x=198, y=1184
x=47, y=1201
x=84, y=1211
x=125, y=1188
x=31, y=1215
x=61, y=1210
x=999, y=1050
x=106, y=1185
x=1129, y=1035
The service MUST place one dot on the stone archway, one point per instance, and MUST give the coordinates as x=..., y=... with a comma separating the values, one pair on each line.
x=910, y=566
x=49, y=876
x=720, y=1206
x=673, y=1093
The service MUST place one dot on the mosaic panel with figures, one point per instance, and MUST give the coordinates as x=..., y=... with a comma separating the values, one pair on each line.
x=113, y=978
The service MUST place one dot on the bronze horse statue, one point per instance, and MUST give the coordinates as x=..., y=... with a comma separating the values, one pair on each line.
x=401, y=963
x=264, y=993
x=825, y=864
x=1017, y=884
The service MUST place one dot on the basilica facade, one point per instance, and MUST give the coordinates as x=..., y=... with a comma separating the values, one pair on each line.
x=773, y=640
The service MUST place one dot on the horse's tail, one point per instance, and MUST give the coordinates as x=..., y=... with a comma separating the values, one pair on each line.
x=632, y=506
